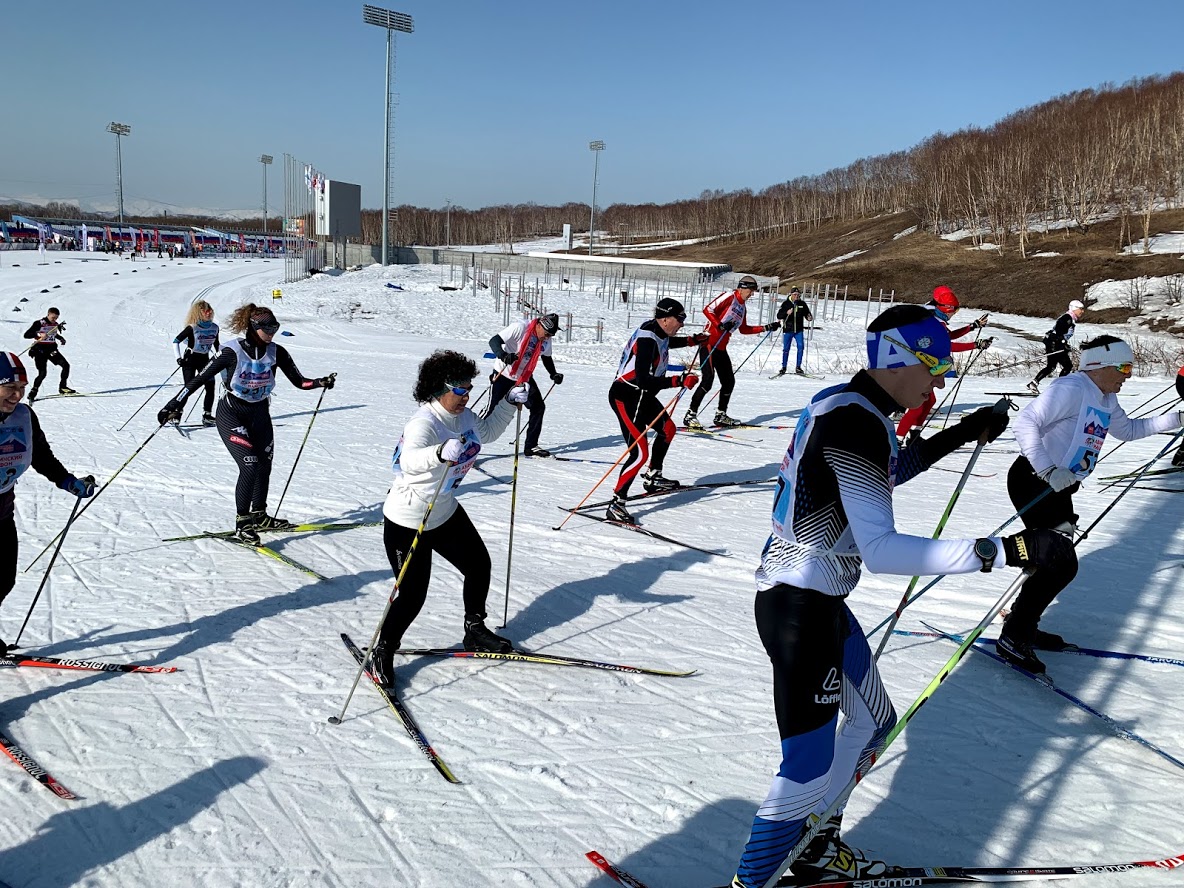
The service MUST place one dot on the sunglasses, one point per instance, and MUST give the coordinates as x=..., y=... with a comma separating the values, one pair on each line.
x=268, y=327
x=1125, y=369
x=746, y=287
x=461, y=391
x=937, y=366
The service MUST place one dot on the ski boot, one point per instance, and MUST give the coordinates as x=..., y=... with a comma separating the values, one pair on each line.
x=32, y=394
x=1177, y=460
x=653, y=482
x=829, y=857
x=1018, y=653
x=3, y=648
x=244, y=530
x=1049, y=641
x=691, y=421
x=799, y=371
x=66, y=390
x=781, y=372
x=724, y=421
x=263, y=521
x=207, y=420
x=478, y=637
x=536, y=451
x=382, y=664
x=1034, y=387
x=616, y=511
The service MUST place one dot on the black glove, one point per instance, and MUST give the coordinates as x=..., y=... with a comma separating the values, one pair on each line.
x=326, y=382
x=700, y=338
x=508, y=357
x=772, y=326
x=728, y=326
x=170, y=412
x=1039, y=547
x=985, y=419
x=557, y=379
x=180, y=363
x=984, y=343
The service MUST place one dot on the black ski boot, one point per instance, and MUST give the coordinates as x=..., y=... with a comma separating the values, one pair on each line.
x=799, y=372
x=537, y=451
x=616, y=511
x=1018, y=653
x=32, y=394
x=382, y=663
x=66, y=390
x=263, y=521
x=724, y=421
x=829, y=857
x=781, y=372
x=1177, y=460
x=1049, y=641
x=207, y=420
x=478, y=637
x=244, y=529
x=3, y=648
x=691, y=420
x=653, y=482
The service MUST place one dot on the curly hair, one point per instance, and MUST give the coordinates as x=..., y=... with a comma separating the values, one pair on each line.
x=240, y=321
x=438, y=371
x=195, y=312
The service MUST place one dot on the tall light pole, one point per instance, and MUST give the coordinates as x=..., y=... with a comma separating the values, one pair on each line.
x=447, y=222
x=392, y=21
x=265, y=159
x=119, y=130
x=595, y=147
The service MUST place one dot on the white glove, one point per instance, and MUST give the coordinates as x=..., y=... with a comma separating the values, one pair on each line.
x=1058, y=479
x=452, y=450
x=518, y=394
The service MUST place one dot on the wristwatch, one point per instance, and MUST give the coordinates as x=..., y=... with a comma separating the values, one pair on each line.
x=986, y=549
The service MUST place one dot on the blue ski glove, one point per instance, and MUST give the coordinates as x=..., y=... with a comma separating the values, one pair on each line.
x=83, y=488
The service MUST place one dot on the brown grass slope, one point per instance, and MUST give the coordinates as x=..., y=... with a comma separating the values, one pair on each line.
x=913, y=265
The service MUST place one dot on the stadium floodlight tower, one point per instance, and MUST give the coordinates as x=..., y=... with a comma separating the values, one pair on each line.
x=392, y=21
x=118, y=130
x=266, y=160
x=595, y=147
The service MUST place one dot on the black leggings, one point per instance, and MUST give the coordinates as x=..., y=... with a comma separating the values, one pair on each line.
x=534, y=405
x=459, y=544
x=1056, y=354
x=635, y=410
x=193, y=365
x=43, y=358
x=719, y=362
x=246, y=431
x=1055, y=508
x=8, y=553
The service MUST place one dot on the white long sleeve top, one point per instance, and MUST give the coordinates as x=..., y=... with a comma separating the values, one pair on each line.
x=1068, y=422
x=417, y=465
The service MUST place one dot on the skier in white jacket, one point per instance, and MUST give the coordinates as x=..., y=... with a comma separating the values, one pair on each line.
x=442, y=438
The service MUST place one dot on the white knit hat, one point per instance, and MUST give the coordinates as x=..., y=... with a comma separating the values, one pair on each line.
x=1076, y=305
x=1109, y=355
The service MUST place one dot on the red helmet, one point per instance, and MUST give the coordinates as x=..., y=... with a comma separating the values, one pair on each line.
x=944, y=298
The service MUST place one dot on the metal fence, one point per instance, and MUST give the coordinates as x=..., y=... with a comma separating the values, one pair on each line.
x=302, y=252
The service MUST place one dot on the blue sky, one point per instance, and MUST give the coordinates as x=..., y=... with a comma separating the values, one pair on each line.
x=499, y=98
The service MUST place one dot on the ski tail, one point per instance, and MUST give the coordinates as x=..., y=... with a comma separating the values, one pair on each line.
x=34, y=770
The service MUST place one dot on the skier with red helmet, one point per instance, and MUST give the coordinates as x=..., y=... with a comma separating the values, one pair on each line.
x=944, y=304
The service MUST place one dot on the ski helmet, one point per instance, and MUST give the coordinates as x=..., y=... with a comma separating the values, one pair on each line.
x=944, y=298
x=670, y=308
x=12, y=371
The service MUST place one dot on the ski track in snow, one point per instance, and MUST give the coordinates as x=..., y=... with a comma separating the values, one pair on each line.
x=226, y=773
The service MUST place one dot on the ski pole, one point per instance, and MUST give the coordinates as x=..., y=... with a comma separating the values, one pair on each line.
x=737, y=367
x=953, y=397
x=98, y=493
x=982, y=442
x=1143, y=471
x=38, y=341
x=45, y=579
x=1110, y=484
x=513, y=506
x=768, y=354
x=311, y=420
x=150, y=397
x=930, y=689
x=1158, y=394
x=336, y=719
x=998, y=530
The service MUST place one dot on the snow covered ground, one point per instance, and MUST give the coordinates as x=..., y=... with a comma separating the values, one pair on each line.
x=227, y=773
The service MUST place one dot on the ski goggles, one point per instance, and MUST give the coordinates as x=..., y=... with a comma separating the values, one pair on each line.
x=269, y=327
x=1125, y=369
x=937, y=366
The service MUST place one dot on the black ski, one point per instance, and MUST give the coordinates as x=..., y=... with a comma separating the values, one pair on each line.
x=637, y=528
x=34, y=770
x=396, y=705
x=905, y=876
x=14, y=660
x=545, y=659
x=1012, y=394
x=706, y=485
